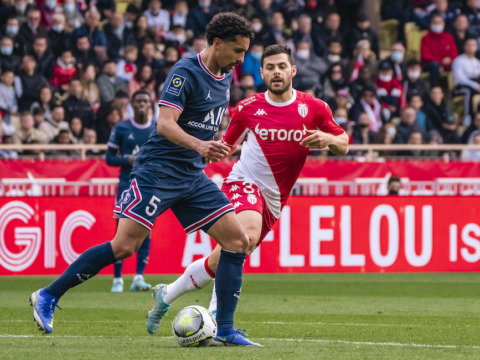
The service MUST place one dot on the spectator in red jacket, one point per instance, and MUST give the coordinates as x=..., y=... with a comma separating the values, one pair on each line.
x=389, y=90
x=438, y=49
x=64, y=70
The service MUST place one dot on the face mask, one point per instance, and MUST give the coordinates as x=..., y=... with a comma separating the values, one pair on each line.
x=205, y=4
x=51, y=4
x=333, y=58
x=6, y=50
x=437, y=29
x=385, y=78
x=397, y=56
x=340, y=120
x=181, y=38
x=69, y=8
x=391, y=132
x=12, y=30
x=303, y=54
x=414, y=75
x=257, y=27
x=57, y=28
x=20, y=8
x=129, y=24
x=256, y=56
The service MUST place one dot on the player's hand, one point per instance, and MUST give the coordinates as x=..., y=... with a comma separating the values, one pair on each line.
x=131, y=159
x=213, y=151
x=317, y=140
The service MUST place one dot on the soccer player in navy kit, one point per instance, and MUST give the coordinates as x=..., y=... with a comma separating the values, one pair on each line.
x=168, y=174
x=123, y=145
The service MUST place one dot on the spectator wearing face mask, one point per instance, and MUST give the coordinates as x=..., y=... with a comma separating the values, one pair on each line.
x=73, y=17
x=252, y=63
x=47, y=10
x=58, y=39
x=397, y=62
x=334, y=52
x=438, y=50
x=199, y=16
x=8, y=60
x=11, y=30
x=389, y=90
x=309, y=69
x=413, y=84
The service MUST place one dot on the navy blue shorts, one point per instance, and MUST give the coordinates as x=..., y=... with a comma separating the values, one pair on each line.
x=197, y=203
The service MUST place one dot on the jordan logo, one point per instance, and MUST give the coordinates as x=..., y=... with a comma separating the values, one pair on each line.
x=261, y=112
x=208, y=96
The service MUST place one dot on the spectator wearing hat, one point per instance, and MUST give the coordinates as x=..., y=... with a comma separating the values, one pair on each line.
x=389, y=90
x=362, y=31
x=438, y=50
x=440, y=116
x=118, y=36
x=413, y=84
x=305, y=33
x=466, y=71
x=58, y=39
x=310, y=69
x=370, y=105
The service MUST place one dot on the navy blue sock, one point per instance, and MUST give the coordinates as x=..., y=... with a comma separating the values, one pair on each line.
x=86, y=266
x=142, y=256
x=117, y=269
x=228, y=283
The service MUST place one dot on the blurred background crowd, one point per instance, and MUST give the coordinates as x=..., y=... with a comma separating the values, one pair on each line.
x=393, y=72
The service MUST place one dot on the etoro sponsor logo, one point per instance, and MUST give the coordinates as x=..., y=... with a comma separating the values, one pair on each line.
x=280, y=134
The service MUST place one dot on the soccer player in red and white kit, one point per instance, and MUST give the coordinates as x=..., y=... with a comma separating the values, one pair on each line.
x=280, y=126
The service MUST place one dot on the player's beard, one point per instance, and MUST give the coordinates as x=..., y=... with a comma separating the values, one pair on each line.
x=280, y=91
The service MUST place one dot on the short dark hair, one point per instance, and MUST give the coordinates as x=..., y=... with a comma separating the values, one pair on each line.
x=277, y=49
x=121, y=94
x=142, y=91
x=226, y=26
x=393, y=179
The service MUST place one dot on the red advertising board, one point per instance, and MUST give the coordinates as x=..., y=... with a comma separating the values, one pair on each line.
x=315, y=234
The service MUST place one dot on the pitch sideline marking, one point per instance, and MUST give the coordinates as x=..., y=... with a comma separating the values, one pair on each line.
x=368, y=343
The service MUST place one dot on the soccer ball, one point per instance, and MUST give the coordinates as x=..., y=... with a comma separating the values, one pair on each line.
x=194, y=326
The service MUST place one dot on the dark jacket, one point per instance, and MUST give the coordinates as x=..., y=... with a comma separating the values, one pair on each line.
x=355, y=35
x=75, y=107
x=115, y=44
x=31, y=86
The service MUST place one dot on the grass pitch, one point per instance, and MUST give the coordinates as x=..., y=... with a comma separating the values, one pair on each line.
x=318, y=316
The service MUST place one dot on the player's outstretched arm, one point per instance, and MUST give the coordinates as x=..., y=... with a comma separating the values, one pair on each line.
x=337, y=144
x=167, y=126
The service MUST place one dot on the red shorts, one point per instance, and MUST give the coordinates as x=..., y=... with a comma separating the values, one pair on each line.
x=245, y=195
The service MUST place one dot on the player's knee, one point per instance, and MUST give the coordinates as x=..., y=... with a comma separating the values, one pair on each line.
x=123, y=252
x=240, y=244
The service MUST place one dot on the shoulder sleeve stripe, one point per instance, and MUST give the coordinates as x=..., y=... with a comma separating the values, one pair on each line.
x=112, y=145
x=169, y=104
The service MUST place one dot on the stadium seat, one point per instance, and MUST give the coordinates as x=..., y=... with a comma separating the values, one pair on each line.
x=388, y=34
x=413, y=36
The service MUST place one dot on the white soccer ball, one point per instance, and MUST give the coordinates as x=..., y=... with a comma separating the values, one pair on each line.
x=194, y=326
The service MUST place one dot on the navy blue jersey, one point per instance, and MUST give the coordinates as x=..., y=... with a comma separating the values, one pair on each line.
x=202, y=99
x=125, y=140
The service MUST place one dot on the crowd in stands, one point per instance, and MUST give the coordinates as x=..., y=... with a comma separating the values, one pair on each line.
x=69, y=67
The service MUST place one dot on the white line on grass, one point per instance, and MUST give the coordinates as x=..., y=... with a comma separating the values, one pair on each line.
x=323, y=341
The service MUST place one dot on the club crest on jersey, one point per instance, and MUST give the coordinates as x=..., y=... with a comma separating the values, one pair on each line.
x=302, y=110
x=252, y=199
x=176, y=85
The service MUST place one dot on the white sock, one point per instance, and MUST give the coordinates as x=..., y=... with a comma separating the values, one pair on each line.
x=213, y=303
x=195, y=277
x=120, y=280
x=138, y=277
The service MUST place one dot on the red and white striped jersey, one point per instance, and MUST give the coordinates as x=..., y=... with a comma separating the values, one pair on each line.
x=272, y=156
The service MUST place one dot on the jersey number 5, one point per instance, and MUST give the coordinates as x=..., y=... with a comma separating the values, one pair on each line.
x=150, y=211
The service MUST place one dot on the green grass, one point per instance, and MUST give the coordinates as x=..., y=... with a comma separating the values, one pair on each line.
x=318, y=316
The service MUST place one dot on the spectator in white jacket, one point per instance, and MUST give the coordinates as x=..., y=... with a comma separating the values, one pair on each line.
x=466, y=71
